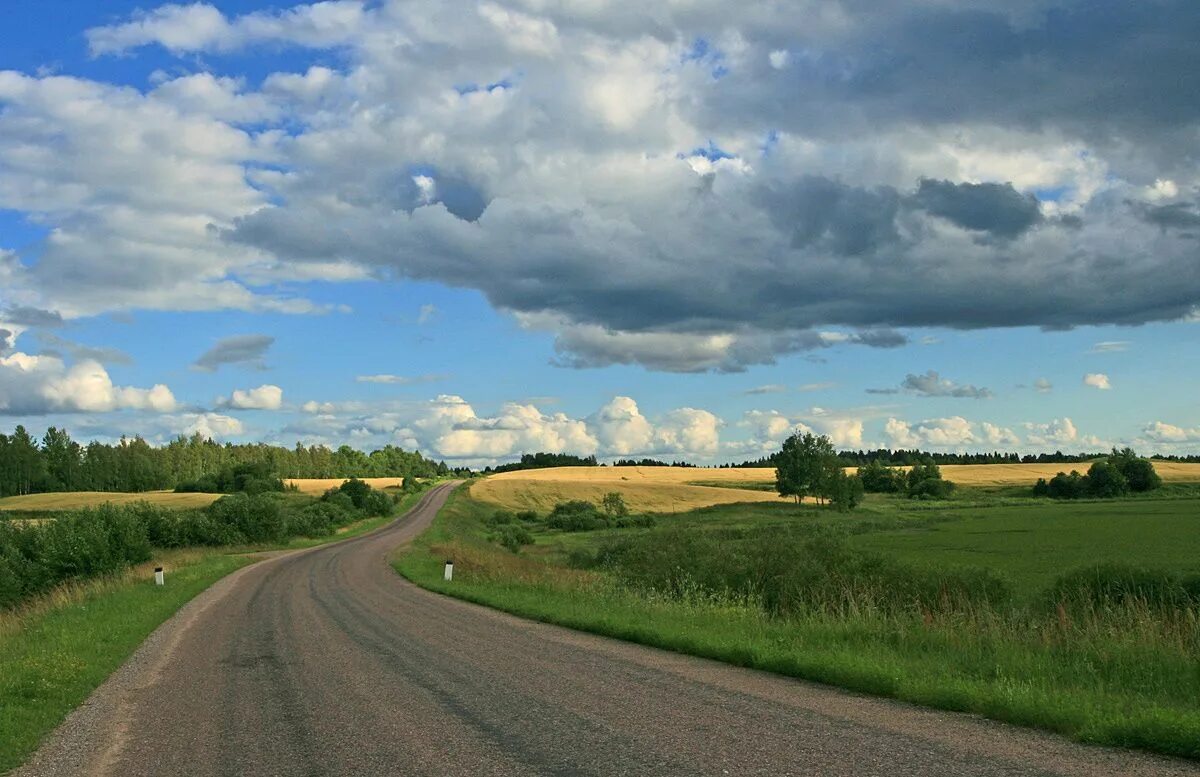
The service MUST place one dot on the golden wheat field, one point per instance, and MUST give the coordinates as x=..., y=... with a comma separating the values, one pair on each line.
x=1027, y=474
x=74, y=500
x=318, y=486
x=646, y=489
x=674, y=489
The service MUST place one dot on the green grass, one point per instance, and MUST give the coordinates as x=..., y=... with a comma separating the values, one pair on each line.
x=51, y=660
x=55, y=652
x=1034, y=543
x=1126, y=677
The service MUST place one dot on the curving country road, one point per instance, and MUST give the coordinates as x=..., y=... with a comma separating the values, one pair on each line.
x=325, y=661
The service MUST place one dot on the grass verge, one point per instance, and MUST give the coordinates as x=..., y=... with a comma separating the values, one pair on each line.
x=58, y=649
x=1126, y=679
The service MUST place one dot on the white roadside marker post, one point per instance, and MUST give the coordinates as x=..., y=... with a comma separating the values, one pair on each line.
x=158, y=576
x=449, y=571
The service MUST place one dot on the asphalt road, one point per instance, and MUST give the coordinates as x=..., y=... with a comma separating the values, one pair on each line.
x=325, y=661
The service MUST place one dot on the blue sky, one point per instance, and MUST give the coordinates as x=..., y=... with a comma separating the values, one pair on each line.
x=597, y=251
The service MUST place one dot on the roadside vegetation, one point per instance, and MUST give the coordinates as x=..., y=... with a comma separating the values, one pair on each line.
x=36, y=556
x=1078, y=617
x=77, y=594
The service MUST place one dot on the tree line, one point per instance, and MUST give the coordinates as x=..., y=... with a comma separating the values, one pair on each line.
x=907, y=458
x=543, y=460
x=59, y=463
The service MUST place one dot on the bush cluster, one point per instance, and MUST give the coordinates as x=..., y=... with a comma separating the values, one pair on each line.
x=358, y=495
x=789, y=575
x=580, y=515
x=33, y=558
x=1121, y=473
x=511, y=530
x=878, y=478
x=36, y=556
x=923, y=481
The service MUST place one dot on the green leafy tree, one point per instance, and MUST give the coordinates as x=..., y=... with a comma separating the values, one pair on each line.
x=1138, y=472
x=804, y=466
x=1105, y=480
x=845, y=491
x=613, y=505
x=877, y=478
x=925, y=481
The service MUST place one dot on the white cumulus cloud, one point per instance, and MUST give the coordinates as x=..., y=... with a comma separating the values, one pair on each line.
x=35, y=385
x=265, y=397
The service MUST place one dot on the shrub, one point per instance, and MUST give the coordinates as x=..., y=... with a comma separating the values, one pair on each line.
x=319, y=520
x=924, y=481
x=338, y=498
x=1104, y=480
x=846, y=491
x=930, y=488
x=357, y=490
x=576, y=515
x=1064, y=486
x=613, y=505
x=527, y=516
x=500, y=518
x=880, y=479
x=1138, y=472
x=1122, y=472
x=514, y=537
x=377, y=503
x=255, y=518
x=634, y=521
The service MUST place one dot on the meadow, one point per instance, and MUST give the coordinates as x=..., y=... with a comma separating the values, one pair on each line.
x=1082, y=618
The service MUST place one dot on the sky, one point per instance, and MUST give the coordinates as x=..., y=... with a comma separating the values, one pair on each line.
x=622, y=228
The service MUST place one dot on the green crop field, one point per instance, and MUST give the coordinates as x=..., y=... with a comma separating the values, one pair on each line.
x=1032, y=544
x=974, y=604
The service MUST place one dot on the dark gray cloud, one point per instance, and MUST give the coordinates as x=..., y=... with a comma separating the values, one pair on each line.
x=880, y=338
x=756, y=261
x=986, y=207
x=53, y=344
x=826, y=215
x=931, y=384
x=1176, y=215
x=6, y=341
x=21, y=315
x=1101, y=70
x=244, y=350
